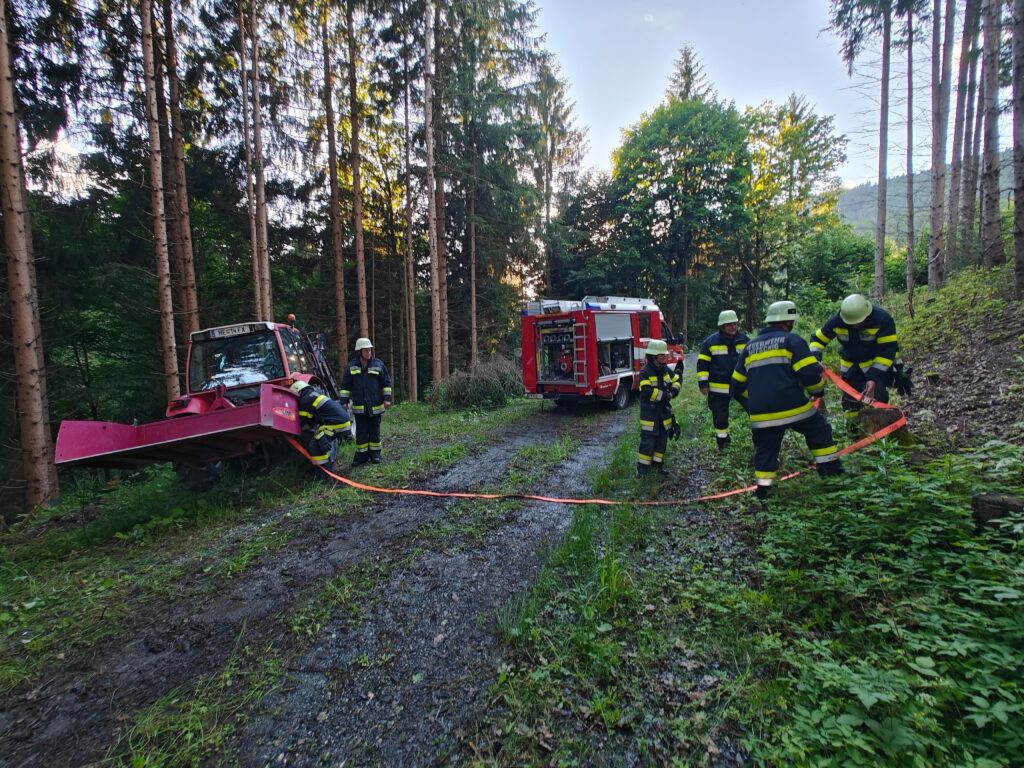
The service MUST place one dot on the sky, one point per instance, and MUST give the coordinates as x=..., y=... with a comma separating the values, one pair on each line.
x=617, y=56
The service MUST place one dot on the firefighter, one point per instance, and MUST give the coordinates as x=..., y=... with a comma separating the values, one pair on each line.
x=323, y=420
x=774, y=375
x=658, y=385
x=715, y=363
x=367, y=385
x=867, y=349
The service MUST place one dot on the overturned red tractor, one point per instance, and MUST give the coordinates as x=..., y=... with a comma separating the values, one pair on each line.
x=237, y=399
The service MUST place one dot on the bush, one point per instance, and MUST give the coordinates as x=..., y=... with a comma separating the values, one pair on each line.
x=486, y=385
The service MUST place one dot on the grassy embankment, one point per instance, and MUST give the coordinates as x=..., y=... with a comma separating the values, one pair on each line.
x=862, y=621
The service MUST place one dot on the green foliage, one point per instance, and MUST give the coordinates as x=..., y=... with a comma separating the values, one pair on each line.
x=487, y=385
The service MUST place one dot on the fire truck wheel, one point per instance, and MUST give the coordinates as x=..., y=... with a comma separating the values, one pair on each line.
x=198, y=478
x=622, y=394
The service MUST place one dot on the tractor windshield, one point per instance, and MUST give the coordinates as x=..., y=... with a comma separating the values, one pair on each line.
x=234, y=361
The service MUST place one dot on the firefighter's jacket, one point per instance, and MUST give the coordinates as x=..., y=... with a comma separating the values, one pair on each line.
x=658, y=385
x=871, y=346
x=367, y=388
x=321, y=415
x=774, y=375
x=716, y=361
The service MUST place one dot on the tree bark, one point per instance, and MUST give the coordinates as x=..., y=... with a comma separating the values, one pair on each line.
x=357, y=192
x=1018, y=147
x=910, y=161
x=36, y=446
x=991, y=236
x=439, y=207
x=959, y=130
x=883, y=152
x=941, y=73
x=163, y=267
x=412, y=383
x=182, y=219
x=435, y=268
x=972, y=168
x=250, y=193
x=266, y=289
x=340, y=318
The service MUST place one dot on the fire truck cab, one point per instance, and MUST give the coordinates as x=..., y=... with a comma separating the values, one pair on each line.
x=591, y=349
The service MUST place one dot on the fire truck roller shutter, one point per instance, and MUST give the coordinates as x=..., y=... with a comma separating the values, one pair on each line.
x=612, y=326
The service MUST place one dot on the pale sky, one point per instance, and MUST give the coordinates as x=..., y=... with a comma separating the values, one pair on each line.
x=618, y=55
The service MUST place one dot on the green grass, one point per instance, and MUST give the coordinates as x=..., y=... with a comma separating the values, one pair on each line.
x=77, y=573
x=864, y=622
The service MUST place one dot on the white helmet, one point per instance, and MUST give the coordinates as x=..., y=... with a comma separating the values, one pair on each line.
x=855, y=309
x=781, y=311
x=727, y=316
x=657, y=347
x=363, y=343
x=298, y=386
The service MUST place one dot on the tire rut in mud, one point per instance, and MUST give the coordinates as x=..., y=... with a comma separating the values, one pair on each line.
x=75, y=716
x=407, y=683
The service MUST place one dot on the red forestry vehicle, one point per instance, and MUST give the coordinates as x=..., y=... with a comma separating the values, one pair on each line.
x=237, y=400
x=592, y=349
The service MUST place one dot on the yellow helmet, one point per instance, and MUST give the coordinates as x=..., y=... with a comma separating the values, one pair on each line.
x=855, y=309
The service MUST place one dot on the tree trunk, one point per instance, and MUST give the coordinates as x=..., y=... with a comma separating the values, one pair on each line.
x=474, y=351
x=38, y=471
x=266, y=289
x=1018, y=147
x=340, y=318
x=439, y=207
x=941, y=72
x=163, y=267
x=357, y=192
x=972, y=170
x=412, y=384
x=183, y=222
x=910, y=162
x=254, y=240
x=883, y=153
x=428, y=131
x=959, y=126
x=991, y=236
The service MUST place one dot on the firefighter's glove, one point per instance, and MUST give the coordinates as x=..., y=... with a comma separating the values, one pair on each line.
x=674, y=431
x=901, y=379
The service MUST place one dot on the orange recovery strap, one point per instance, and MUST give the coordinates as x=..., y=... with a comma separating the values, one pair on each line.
x=900, y=422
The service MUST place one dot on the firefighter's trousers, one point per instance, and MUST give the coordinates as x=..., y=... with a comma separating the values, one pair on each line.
x=653, y=438
x=817, y=433
x=855, y=378
x=322, y=448
x=719, y=407
x=367, y=437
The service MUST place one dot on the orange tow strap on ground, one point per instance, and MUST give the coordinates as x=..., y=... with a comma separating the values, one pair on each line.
x=901, y=421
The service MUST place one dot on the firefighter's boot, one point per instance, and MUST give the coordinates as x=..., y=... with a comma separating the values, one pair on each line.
x=762, y=491
x=642, y=470
x=830, y=469
x=723, y=442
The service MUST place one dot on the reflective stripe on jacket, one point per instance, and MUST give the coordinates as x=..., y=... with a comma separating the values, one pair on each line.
x=872, y=346
x=774, y=375
x=658, y=385
x=322, y=414
x=367, y=388
x=716, y=361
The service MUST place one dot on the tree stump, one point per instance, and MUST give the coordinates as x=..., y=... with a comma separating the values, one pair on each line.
x=873, y=419
x=987, y=507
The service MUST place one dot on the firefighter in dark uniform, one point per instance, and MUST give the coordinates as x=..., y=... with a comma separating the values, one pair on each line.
x=774, y=375
x=716, y=361
x=323, y=421
x=867, y=349
x=367, y=385
x=658, y=385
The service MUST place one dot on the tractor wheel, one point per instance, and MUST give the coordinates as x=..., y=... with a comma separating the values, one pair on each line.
x=198, y=478
x=622, y=395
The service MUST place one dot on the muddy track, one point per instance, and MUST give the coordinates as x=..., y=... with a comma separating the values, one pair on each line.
x=434, y=617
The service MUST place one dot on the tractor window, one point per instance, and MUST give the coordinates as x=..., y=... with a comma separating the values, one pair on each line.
x=234, y=361
x=295, y=350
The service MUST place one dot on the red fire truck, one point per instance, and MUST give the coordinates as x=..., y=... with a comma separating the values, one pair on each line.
x=590, y=349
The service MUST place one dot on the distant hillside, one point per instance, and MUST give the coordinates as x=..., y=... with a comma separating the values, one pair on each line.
x=857, y=205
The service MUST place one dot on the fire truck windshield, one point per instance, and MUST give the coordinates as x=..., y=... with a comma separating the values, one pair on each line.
x=234, y=361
